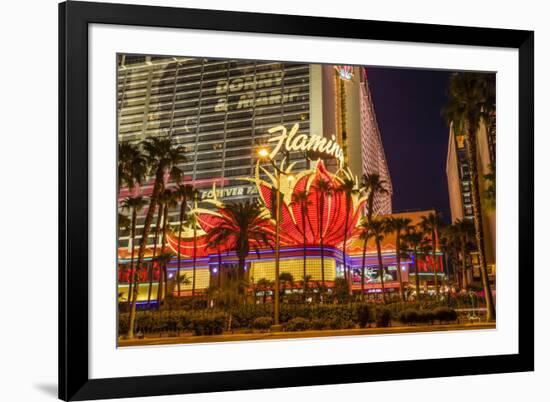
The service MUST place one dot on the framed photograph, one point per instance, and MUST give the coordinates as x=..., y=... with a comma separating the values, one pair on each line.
x=259, y=201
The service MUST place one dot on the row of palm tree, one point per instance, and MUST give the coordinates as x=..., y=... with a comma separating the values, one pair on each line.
x=159, y=158
x=458, y=242
x=417, y=240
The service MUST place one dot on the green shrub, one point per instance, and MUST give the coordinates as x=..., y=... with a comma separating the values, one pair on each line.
x=236, y=324
x=262, y=323
x=397, y=307
x=208, y=324
x=318, y=324
x=426, y=316
x=445, y=314
x=296, y=324
x=408, y=316
x=363, y=315
x=246, y=314
x=339, y=323
x=383, y=317
x=123, y=324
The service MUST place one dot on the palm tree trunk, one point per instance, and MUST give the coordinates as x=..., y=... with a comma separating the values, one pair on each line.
x=240, y=271
x=131, y=276
x=159, y=177
x=345, y=240
x=463, y=251
x=182, y=214
x=435, y=264
x=349, y=276
x=381, y=269
x=219, y=268
x=398, y=261
x=472, y=159
x=416, y=274
x=164, y=266
x=363, y=268
x=321, y=208
x=155, y=241
x=194, y=257
x=305, y=252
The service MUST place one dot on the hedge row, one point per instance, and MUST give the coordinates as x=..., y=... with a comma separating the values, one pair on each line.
x=244, y=316
x=293, y=318
x=175, y=322
x=443, y=314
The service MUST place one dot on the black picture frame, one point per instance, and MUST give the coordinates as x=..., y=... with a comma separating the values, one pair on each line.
x=74, y=381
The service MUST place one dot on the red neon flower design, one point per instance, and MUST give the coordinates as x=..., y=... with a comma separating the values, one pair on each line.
x=326, y=212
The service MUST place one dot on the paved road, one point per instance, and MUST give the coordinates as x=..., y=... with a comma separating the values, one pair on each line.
x=304, y=334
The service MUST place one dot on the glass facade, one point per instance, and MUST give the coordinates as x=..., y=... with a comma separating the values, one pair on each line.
x=373, y=158
x=219, y=110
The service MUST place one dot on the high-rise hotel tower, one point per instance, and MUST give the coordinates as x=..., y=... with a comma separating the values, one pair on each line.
x=221, y=110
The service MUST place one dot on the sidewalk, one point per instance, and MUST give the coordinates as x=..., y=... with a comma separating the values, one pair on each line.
x=228, y=337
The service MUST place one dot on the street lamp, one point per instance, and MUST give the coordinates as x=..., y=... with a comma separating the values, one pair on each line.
x=263, y=153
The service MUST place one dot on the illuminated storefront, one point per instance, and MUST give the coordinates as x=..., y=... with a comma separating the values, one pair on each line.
x=326, y=213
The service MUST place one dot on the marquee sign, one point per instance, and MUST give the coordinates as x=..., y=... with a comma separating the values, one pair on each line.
x=261, y=90
x=292, y=141
x=233, y=191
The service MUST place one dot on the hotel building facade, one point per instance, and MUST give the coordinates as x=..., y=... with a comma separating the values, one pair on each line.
x=459, y=184
x=220, y=111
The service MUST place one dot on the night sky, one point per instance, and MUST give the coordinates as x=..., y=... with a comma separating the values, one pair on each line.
x=408, y=109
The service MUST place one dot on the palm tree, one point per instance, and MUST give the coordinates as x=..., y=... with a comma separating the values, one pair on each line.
x=413, y=238
x=286, y=279
x=183, y=280
x=216, y=243
x=183, y=192
x=124, y=223
x=364, y=234
x=133, y=205
x=154, y=261
x=430, y=225
x=378, y=228
x=242, y=225
x=168, y=200
x=192, y=221
x=264, y=285
x=399, y=226
x=464, y=231
x=449, y=244
x=131, y=165
x=301, y=198
x=305, y=286
x=230, y=295
x=162, y=158
x=374, y=185
x=471, y=101
x=195, y=196
x=349, y=188
x=323, y=189
x=162, y=260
